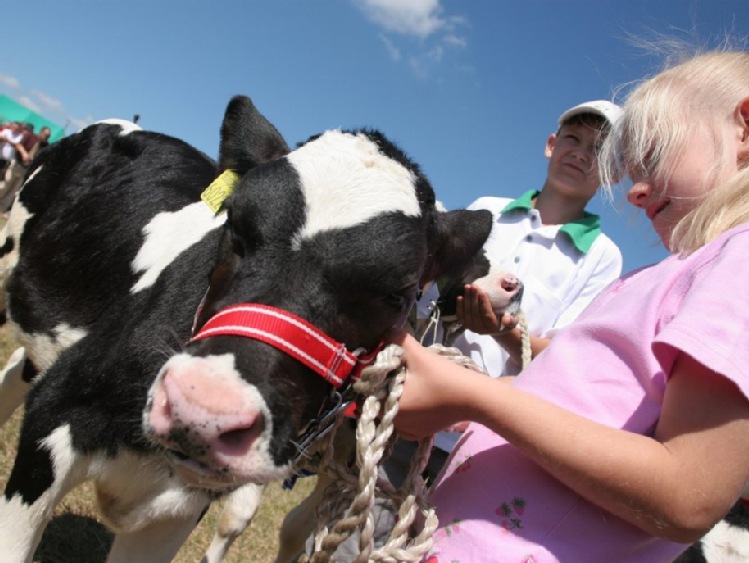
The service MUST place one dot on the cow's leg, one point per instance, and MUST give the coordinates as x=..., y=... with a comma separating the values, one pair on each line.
x=299, y=523
x=157, y=542
x=45, y=469
x=238, y=511
x=13, y=384
x=148, y=508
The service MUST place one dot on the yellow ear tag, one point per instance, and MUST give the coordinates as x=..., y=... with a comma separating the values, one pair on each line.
x=221, y=188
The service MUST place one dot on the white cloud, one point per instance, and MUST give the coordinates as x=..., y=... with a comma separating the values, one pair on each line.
x=48, y=101
x=454, y=40
x=395, y=53
x=416, y=29
x=9, y=81
x=29, y=103
x=409, y=17
x=424, y=62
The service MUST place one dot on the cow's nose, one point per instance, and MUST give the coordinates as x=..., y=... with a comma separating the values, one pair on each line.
x=204, y=416
x=504, y=290
x=507, y=288
x=510, y=283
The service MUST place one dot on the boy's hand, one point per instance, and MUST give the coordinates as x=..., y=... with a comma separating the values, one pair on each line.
x=474, y=310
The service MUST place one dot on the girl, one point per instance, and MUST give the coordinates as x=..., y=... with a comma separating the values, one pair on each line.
x=628, y=437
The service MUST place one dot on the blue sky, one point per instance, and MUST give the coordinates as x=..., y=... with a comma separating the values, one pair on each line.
x=470, y=89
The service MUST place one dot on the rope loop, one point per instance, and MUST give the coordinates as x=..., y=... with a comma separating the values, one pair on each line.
x=346, y=506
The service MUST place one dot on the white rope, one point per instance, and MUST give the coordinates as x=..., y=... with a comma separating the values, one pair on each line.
x=526, y=354
x=347, y=504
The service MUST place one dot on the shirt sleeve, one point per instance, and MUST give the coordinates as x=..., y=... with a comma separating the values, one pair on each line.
x=603, y=266
x=711, y=323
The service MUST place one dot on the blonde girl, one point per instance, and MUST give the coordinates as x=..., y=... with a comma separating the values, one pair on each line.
x=627, y=439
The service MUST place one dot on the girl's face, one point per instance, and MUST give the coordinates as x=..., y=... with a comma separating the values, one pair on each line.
x=665, y=205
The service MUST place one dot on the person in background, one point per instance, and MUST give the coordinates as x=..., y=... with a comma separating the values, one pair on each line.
x=628, y=437
x=551, y=243
x=42, y=141
x=31, y=144
x=10, y=141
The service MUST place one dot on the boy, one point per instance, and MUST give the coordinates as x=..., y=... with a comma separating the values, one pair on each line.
x=550, y=242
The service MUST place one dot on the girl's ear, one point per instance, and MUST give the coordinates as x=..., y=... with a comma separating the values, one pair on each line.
x=742, y=117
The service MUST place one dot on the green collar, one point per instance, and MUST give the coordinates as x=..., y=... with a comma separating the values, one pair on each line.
x=582, y=232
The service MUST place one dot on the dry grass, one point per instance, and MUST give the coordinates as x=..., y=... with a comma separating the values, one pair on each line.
x=75, y=535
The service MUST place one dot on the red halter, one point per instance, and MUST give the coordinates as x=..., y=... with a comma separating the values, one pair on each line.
x=292, y=335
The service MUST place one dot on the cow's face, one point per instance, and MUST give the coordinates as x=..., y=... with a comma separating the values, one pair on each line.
x=340, y=233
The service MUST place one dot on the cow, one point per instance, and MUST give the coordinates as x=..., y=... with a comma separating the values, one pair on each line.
x=438, y=304
x=727, y=542
x=183, y=320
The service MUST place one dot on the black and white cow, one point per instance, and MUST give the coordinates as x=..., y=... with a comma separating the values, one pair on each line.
x=112, y=262
x=727, y=542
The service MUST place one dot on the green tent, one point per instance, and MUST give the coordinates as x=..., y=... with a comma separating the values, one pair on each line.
x=13, y=111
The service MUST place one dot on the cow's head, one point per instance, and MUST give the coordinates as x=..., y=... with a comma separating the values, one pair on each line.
x=340, y=233
x=435, y=319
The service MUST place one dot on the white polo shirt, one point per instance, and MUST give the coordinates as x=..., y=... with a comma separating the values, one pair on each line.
x=562, y=267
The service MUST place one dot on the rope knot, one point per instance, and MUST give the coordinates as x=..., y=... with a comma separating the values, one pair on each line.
x=347, y=503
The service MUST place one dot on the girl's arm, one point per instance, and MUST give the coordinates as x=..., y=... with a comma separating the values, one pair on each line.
x=675, y=486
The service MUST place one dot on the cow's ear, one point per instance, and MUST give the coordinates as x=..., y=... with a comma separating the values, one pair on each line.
x=460, y=234
x=247, y=138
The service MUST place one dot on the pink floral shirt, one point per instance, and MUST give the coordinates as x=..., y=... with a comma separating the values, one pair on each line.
x=611, y=365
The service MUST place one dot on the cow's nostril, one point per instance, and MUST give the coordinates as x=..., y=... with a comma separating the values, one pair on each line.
x=239, y=441
x=509, y=283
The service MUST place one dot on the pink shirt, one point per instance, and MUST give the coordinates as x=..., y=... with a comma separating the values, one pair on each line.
x=611, y=366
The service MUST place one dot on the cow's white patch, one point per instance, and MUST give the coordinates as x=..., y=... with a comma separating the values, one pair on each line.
x=20, y=528
x=31, y=176
x=44, y=349
x=347, y=181
x=169, y=234
x=133, y=490
x=12, y=230
x=126, y=126
x=726, y=544
x=21, y=524
x=239, y=509
x=60, y=447
x=12, y=386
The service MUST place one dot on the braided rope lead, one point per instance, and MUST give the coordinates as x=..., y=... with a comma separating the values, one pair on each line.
x=347, y=503
x=347, y=506
x=525, y=340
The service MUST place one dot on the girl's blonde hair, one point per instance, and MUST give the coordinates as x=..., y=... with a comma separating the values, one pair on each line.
x=661, y=114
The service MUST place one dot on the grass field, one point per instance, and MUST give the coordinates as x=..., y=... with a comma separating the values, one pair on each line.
x=75, y=535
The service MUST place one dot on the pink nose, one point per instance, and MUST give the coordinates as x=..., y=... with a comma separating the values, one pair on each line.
x=204, y=414
x=504, y=290
x=510, y=283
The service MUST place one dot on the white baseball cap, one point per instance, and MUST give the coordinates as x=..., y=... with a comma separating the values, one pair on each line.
x=609, y=111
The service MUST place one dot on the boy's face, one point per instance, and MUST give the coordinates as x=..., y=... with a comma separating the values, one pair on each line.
x=573, y=165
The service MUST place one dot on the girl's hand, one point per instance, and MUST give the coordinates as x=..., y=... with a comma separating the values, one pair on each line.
x=437, y=393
